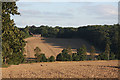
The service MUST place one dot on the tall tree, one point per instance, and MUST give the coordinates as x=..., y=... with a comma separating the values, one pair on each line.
x=92, y=52
x=12, y=38
x=107, y=50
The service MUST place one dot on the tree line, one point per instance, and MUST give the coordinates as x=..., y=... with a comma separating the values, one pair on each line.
x=81, y=55
x=97, y=35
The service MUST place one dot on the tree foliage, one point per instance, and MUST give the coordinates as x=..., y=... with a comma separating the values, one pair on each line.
x=107, y=51
x=64, y=56
x=41, y=58
x=92, y=52
x=12, y=38
x=97, y=35
x=51, y=59
x=37, y=51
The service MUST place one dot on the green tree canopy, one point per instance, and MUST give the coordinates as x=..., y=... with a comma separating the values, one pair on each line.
x=41, y=58
x=51, y=59
x=107, y=50
x=37, y=51
x=64, y=56
x=12, y=38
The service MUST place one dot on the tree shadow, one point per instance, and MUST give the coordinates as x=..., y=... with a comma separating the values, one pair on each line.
x=64, y=43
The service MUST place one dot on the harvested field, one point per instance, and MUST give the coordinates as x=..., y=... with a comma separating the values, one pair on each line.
x=52, y=46
x=80, y=69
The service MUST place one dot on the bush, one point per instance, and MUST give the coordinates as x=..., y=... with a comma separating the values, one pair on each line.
x=75, y=57
x=63, y=56
x=37, y=51
x=41, y=58
x=81, y=54
x=51, y=59
x=102, y=56
x=82, y=57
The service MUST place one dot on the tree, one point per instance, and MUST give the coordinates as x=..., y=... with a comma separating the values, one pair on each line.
x=85, y=49
x=64, y=56
x=107, y=50
x=59, y=57
x=37, y=51
x=118, y=54
x=51, y=59
x=102, y=56
x=81, y=53
x=41, y=58
x=92, y=52
x=12, y=38
x=82, y=50
x=75, y=57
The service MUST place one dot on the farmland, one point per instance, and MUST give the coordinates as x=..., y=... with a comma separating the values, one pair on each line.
x=79, y=69
x=52, y=46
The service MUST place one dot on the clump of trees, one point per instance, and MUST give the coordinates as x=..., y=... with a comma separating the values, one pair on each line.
x=51, y=59
x=107, y=55
x=40, y=57
x=65, y=56
x=81, y=54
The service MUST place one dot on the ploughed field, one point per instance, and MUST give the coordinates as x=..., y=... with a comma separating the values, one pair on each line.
x=73, y=69
x=80, y=69
x=52, y=46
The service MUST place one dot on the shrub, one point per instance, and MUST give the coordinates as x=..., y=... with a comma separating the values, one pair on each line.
x=75, y=57
x=37, y=51
x=41, y=58
x=64, y=56
x=81, y=54
x=51, y=59
x=102, y=56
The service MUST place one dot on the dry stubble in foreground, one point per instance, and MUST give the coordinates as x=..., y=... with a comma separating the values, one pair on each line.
x=80, y=69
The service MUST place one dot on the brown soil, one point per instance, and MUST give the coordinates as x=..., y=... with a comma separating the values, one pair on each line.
x=80, y=69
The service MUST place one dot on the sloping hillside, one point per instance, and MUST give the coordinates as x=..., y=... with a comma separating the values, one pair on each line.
x=52, y=46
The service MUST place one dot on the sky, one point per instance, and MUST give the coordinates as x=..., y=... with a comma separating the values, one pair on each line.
x=66, y=14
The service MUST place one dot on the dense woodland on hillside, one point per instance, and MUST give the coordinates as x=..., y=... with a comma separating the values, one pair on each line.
x=97, y=35
x=13, y=38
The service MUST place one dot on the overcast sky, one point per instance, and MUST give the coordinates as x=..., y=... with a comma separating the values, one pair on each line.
x=66, y=14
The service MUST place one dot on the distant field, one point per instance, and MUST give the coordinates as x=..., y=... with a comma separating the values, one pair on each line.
x=74, y=69
x=52, y=46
